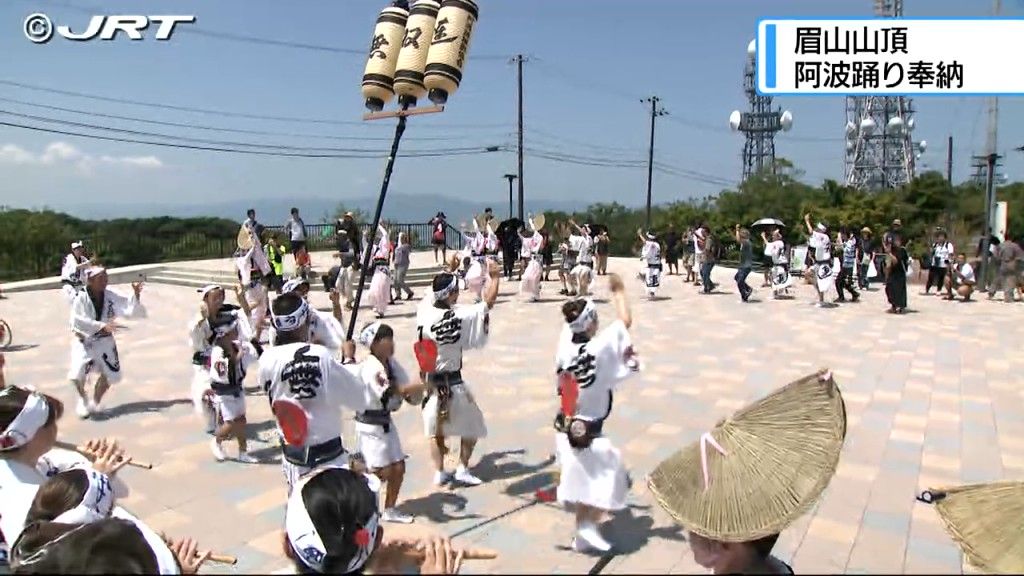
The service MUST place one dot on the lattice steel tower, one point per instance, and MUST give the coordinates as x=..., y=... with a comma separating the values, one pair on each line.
x=760, y=124
x=880, y=153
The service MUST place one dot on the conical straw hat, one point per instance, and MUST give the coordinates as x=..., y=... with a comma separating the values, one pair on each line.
x=779, y=455
x=986, y=521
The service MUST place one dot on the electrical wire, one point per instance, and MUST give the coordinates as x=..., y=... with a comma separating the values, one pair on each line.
x=406, y=154
x=258, y=40
x=224, y=113
x=231, y=130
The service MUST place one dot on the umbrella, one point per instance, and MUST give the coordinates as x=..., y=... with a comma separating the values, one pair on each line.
x=768, y=222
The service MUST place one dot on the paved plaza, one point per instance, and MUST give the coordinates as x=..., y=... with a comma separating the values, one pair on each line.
x=934, y=398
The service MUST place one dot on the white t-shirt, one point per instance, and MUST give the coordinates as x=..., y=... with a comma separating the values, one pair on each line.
x=310, y=375
x=454, y=331
x=598, y=366
x=376, y=379
x=586, y=249
x=822, y=246
x=967, y=272
x=776, y=250
x=942, y=253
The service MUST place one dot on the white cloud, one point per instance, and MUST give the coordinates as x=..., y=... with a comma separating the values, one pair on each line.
x=64, y=153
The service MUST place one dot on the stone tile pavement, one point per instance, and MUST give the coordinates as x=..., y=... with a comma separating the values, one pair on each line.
x=934, y=397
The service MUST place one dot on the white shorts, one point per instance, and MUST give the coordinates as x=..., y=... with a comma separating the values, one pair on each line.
x=593, y=476
x=230, y=407
x=379, y=448
x=99, y=354
x=69, y=292
x=465, y=420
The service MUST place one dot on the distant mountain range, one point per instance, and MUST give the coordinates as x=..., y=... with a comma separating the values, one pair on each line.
x=397, y=208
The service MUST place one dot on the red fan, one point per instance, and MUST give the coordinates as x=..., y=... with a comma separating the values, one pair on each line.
x=293, y=421
x=569, y=390
x=426, y=355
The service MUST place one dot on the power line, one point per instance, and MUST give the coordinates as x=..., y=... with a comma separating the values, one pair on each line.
x=203, y=140
x=259, y=40
x=407, y=154
x=222, y=129
x=224, y=113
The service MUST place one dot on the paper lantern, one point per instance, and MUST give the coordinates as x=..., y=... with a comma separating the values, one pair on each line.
x=412, y=59
x=379, y=76
x=449, y=48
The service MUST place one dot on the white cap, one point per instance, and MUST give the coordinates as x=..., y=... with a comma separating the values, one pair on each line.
x=207, y=289
x=77, y=244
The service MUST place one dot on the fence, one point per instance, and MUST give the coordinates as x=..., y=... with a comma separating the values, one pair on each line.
x=43, y=257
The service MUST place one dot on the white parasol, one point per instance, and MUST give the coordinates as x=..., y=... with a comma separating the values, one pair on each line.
x=768, y=222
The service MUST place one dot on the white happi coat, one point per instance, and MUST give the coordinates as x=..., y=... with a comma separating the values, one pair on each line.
x=455, y=331
x=91, y=350
x=594, y=476
x=71, y=276
x=531, y=283
x=651, y=255
x=381, y=448
x=824, y=267
x=231, y=406
x=584, y=269
x=310, y=375
x=201, y=339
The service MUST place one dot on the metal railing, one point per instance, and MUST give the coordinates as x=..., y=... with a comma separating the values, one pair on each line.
x=419, y=236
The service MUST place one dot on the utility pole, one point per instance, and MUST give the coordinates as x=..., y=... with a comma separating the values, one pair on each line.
x=519, y=65
x=990, y=163
x=949, y=182
x=510, y=177
x=655, y=112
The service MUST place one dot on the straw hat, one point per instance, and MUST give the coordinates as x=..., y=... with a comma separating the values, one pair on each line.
x=985, y=522
x=758, y=471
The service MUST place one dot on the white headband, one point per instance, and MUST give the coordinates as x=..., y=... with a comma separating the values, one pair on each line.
x=207, y=289
x=447, y=291
x=291, y=322
x=166, y=562
x=27, y=423
x=96, y=503
x=586, y=319
x=293, y=285
x=651, y=236
x=368, y=334
x=306, y=541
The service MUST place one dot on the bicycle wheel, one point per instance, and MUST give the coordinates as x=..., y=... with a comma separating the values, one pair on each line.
x=5, y=334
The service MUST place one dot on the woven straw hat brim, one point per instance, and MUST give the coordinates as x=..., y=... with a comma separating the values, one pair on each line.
x=987, y=522
x=781, y=453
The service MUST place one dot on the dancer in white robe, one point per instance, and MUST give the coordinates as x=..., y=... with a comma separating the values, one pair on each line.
x=651, y=256
x=583, y=273
x=593, y=478
x=75, y=263
x=533, y=242
x=775, y=248
x=380, y=285
x=823, y=270
x=93, y=347
x=28, y=434
x=210, y=323
x=307, y=388
x=230, y=359
x=324, y=329
x=253, y=274
x=387, y=383
x=476, y=272
x=450, y=409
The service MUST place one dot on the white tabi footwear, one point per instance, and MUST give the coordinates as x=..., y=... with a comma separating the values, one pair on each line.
x=463, y=476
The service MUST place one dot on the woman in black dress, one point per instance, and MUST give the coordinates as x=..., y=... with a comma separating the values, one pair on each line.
x=896, y=277
x=672, y=250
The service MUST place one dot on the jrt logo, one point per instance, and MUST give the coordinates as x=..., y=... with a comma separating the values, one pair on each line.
x=39, y=28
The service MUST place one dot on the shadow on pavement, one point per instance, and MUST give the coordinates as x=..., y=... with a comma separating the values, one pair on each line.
x=498, y=466
x=630, y=532
x=435, y=507
x=146, y=406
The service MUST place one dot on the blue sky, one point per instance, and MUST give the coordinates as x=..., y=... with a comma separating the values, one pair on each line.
x=591, y=62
